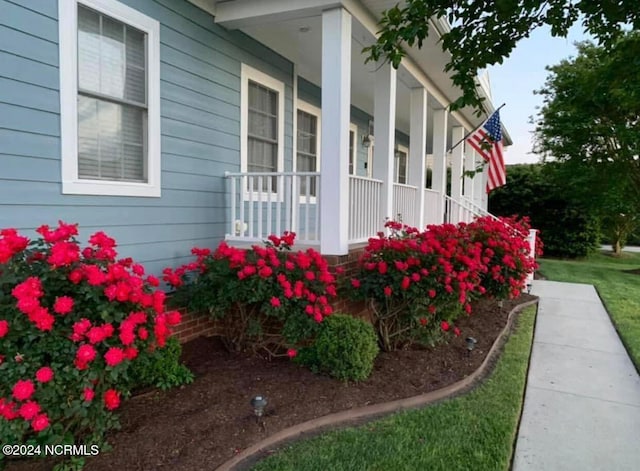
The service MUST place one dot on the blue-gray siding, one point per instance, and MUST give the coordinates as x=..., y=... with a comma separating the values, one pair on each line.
x=200, y=126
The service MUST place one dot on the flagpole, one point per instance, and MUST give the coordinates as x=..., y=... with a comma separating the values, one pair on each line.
x=473, y=130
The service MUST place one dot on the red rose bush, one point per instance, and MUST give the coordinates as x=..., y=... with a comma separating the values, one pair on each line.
x=419, y=282
x=266, y=298
x=72, y=321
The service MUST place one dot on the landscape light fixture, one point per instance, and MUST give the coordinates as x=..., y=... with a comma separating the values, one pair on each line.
x=528, y=288
x=471, y=343
x=259, y=403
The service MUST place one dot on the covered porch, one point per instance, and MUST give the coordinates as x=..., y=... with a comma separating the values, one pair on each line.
x=341, y=199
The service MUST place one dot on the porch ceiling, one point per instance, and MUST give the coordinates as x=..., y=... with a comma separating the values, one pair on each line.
x=297, y=36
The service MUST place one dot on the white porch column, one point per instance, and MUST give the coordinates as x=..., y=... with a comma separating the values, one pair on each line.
x=418, y=148
x=469, y=166
x=440, y=160
x=457, y=163
x=484, y=200
x=384, y=125
x=479, y=185
x=336, y=103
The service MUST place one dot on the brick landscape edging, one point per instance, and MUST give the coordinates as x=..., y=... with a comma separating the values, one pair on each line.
x=363, y=414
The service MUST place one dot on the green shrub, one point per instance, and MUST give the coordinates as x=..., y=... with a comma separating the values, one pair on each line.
x=345, y=348
x=161, y=368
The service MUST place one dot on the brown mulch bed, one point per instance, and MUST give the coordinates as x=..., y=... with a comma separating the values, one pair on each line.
x=200, y=426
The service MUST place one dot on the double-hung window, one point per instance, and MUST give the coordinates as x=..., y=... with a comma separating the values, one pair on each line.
x=262, y=126
x=110, y=101
x=400, y=165
x=308, y=145
x=353, y=149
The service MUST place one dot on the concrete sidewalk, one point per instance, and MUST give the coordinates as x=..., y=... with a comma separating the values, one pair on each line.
x=582, y=402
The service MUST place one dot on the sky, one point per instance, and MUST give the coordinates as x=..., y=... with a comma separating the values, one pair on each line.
x=514, y=81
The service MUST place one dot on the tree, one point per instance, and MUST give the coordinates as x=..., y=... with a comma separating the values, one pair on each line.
x=484, y=32
x=590, y=124
x=568, y=227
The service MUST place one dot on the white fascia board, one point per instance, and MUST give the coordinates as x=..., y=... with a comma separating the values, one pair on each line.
x=244, y=13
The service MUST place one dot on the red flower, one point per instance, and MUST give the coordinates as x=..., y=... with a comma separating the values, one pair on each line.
x=86, y=353
x=40, y=422
x=23, y=389
x=44, y=374
x=130, y=353
x=143, y=333
x=291, y=353
x=388, y=291
x=382, y=267
x=173, y=317
x=63, y=305
x=111, y=399
x=423, y=321
x=29, y=410
x=114, y=356
x=4, y=328
x=309, y=275
x=444, y=325
x=88, y=394
x=355, y=283
x=432, y=293
x=406, y=282
x=456, y=332
x=275, y=302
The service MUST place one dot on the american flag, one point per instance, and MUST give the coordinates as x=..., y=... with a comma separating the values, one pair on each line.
x=487, y=141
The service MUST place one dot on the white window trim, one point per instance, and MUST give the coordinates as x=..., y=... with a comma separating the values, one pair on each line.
x=313, y=110
x=317, y=112
x=354, y=128
x=405, y=150
x=370, y=156
x=248, y=73
x=68, y=47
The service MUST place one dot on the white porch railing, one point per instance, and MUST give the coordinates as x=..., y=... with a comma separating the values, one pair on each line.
x=405, y=204
x=365, y=218
x=264, y=203
x=477, y=209
x=459, y=211
x=432, y=200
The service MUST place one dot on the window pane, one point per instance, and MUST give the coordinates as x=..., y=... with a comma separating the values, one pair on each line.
x=135, y=85
x=263, y=129
x=352, y=137
x=112, y=58
x=110, y=141
x=88, y=49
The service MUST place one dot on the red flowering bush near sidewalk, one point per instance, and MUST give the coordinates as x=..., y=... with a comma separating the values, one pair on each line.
x=72, y=321
x=417, y=283
x=505, y=253
x=265, y=298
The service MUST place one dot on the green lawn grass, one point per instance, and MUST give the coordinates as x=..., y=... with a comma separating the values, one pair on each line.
x=472, y=432
x=620, y=291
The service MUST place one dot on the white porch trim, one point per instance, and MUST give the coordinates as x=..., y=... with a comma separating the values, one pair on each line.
x=457, y=162
x=336, y=108
x=418, y=147
x=384, y=119
x=440, y=159
x=469, y=166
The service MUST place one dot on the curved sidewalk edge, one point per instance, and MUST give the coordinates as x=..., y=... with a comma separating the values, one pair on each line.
x=364, y=414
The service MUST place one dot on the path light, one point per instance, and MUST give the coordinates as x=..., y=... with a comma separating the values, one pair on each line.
x=528, y=288
x=258, y=403
x=471, y=343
